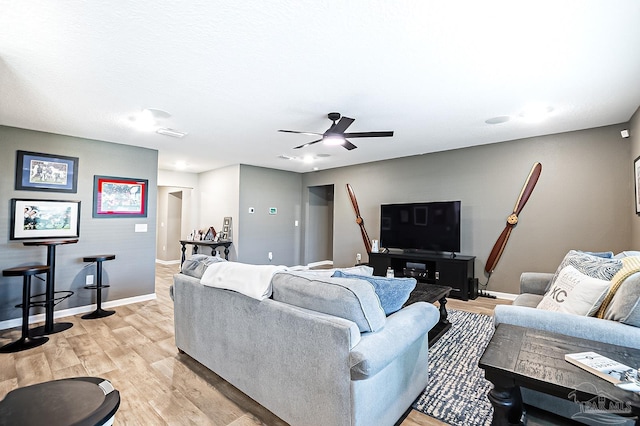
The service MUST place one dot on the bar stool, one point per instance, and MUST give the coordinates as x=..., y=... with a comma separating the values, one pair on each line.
x=25, y=341
x=99, y=312
x=77, y=401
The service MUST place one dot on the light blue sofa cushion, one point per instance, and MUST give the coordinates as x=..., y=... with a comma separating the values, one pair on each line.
x=625, y=305
x=348, y=298
x=197, y=264
x=590, y=265
x=392, y=292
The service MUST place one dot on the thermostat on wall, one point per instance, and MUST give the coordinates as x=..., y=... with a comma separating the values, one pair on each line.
x=273, y=210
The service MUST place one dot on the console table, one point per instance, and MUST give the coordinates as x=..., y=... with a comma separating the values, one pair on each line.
x=205, y=243
x=50, y=300
x=519, y=356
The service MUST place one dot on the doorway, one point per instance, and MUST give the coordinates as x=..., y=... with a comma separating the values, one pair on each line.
x=319, y=230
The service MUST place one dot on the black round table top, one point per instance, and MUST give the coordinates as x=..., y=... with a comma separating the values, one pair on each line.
x=75, y=401
x=49, y=242
x=25, y=270
x=99, y=258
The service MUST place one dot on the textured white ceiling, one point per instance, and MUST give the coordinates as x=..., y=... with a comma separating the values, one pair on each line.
x=232, y=73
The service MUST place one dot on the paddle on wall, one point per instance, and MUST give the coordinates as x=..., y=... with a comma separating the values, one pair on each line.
x=512, y=220
x=359, y=221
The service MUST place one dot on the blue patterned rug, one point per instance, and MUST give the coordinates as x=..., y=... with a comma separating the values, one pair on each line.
x=457, y=390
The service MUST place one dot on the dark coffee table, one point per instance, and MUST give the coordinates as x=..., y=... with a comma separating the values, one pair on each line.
x=432, y=293
x=518, y=356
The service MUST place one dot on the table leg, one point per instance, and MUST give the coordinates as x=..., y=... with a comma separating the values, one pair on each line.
x=184, y=249
x=49, y=326
x=507, y=406
x=443, y=310
x=226, y=252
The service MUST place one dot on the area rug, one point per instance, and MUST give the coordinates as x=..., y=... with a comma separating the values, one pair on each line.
x=457, y=390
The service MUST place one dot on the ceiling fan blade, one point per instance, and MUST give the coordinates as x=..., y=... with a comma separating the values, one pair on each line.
x=348, y=145
x=497, y=249
x=301, y=133
x=341, y=125
x=359, y=220
x=307, y=144
x=384, y=134
x=527, y=189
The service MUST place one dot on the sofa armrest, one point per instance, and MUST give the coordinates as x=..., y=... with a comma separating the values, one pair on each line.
x=590, y=328
x=534, y=282
x=403, y=328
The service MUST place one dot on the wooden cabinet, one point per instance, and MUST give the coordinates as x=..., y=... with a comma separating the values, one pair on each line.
x=442, y=269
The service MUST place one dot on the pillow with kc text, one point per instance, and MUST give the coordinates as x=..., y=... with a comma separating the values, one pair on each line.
x=575, y=293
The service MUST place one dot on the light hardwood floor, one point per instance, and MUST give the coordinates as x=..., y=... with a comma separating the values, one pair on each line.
x=135, y=350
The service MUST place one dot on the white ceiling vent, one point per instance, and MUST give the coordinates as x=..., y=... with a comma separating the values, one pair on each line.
x=171, y=132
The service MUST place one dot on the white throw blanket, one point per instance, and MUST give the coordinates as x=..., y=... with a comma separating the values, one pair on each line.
x=251, y=280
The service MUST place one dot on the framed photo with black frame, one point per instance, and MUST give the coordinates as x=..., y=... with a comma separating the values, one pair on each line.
x=636, y=180
x=44, y=219
x=119, y=197
x=46, y=172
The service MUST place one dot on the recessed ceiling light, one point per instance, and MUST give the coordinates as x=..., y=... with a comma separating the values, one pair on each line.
x=498, y=120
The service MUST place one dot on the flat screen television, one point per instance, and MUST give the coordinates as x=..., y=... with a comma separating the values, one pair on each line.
x=432, y=226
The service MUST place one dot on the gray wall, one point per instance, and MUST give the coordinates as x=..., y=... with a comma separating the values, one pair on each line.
x=132, y=273
x=218, y=196
x=634, y=130
x=261, y=232
x=581, y=201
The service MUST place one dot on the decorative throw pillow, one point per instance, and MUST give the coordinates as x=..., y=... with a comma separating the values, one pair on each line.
x=593, y=266
x=575, y=293
x=197, y=264
x=350, y=299
x=392, y=292
x=625, y=305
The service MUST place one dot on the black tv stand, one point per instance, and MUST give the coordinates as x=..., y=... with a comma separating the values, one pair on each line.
x=448, y=269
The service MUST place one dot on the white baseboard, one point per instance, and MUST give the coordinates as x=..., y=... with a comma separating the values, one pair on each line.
x=17, y=322
x=499, y=295
x=168, y=262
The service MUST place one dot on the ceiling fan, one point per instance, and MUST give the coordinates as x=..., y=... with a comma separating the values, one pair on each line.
x=336, y=135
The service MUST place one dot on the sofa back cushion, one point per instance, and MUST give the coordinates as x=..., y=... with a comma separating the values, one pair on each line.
x=197, y=264
x=348, y=298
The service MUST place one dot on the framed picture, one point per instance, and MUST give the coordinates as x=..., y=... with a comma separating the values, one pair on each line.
x=46, y=172
x=119, y=197
x=31, y=219
x=636, y=180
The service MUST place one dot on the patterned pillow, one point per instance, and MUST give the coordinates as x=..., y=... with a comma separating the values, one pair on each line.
x=197, y=264
x=392, y=292
x=588, y=264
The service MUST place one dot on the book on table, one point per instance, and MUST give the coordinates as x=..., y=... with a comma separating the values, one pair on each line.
x=615, y=372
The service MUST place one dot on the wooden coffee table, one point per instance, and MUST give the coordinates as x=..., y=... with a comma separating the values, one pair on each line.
x=432, y=293
x=518, y=356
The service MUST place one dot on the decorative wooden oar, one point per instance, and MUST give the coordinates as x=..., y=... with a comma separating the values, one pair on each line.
x=359, y=220
x=512, y=220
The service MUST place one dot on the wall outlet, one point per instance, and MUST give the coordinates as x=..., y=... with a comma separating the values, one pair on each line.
x=89, y=280
x=358, y=257
x=270, y=255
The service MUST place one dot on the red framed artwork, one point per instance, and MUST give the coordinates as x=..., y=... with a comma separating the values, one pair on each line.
x=119, y=197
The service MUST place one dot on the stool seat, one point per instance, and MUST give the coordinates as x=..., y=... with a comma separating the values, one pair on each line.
x=22, y=271
x=82, y=401
x=25, y=341
x=99, y=258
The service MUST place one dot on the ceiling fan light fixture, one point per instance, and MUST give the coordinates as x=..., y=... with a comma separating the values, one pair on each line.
x=333, y=140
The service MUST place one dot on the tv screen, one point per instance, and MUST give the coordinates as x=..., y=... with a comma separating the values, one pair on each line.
x=433, y=226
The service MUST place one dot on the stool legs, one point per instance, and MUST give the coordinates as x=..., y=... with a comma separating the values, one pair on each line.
x=25, y=341
x=99, y=312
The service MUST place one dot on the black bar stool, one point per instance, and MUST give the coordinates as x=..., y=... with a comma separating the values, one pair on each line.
x=25, y=341
x=99, y=312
